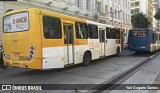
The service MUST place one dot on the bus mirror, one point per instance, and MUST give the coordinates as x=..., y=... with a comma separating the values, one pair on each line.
x=9, y=10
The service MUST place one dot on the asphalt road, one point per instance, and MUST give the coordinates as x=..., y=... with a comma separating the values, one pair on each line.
x=99, y=72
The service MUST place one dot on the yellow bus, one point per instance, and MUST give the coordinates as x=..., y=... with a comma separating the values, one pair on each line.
x=39, y=39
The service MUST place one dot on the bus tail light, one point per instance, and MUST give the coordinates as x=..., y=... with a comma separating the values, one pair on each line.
x=148, y=44
x=32, y=52
x=129, y=44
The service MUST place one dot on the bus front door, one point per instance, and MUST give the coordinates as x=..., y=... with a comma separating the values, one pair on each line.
x=102, y=42
x=68, y=43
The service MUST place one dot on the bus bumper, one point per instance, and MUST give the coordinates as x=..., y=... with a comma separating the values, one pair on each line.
x=140, y=49
x=35, y=64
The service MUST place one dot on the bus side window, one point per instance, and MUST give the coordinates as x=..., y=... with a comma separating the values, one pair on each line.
x=81, y=30
x=108, y=34
x=113, y=36
x=93, y=31
x=52, y=27
x=156, y=36
x=117, y=34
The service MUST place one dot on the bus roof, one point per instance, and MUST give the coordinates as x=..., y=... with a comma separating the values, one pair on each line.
x=59, y=15
x=141, y=29
x=100, y=24
x=47, y=12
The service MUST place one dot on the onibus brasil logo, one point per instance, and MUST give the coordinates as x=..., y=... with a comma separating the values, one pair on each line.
x=20, y=87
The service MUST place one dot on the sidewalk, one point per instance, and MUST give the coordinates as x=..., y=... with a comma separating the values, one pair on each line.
x=150, y=74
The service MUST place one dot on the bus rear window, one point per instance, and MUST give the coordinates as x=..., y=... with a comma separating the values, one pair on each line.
x=16, y=22
x=137, y=33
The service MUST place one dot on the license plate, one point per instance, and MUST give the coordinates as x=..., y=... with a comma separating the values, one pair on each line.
x=16, y=54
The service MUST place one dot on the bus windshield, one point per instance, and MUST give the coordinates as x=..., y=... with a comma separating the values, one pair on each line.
x=139, y=33
x=16, y=22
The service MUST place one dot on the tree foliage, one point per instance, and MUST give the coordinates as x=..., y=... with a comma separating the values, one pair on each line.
x=140, y=21
x=157, y=15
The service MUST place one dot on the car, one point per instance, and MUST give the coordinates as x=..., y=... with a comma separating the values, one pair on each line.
x=2, y=66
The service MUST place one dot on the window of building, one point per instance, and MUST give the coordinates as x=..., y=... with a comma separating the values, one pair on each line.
x=52, y=27
x=137, y=10
x=126, y=4
x=111, y=12
x=123, y=16
x=93, y=31
x=81, y=30
x=87, y=4
x=118, y=15
x=115, y=13
x=132, y=4
x=119, y=2
x=98, y=6
x=132, y=11
x=79, y=3
x=137, y=4
x=106, y=9
x=126, y=17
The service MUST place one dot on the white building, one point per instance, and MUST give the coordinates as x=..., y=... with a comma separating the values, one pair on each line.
x=95, y=10
x=144, y=6
x=155, y=8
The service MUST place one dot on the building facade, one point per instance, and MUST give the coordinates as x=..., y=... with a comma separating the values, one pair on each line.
x=155, y=22
x=144, y=6
x=111, y=12
x=156, y=4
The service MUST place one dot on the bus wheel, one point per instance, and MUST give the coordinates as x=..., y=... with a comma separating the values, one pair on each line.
x=117, y=51
x=86, y=58
x=2, y=66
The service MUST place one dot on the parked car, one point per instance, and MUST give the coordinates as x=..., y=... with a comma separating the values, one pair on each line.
x=2, y=66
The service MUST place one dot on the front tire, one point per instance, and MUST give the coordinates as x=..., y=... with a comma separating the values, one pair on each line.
x=86, y=59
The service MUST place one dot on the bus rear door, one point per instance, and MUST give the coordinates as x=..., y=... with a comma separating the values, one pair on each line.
x=68, y=43
x=102, y=41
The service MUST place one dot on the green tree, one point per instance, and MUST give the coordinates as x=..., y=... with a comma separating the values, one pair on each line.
x=157, y=15
x=140, y=21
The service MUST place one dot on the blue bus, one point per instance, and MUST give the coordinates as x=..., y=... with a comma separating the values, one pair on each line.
x=143, y=39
